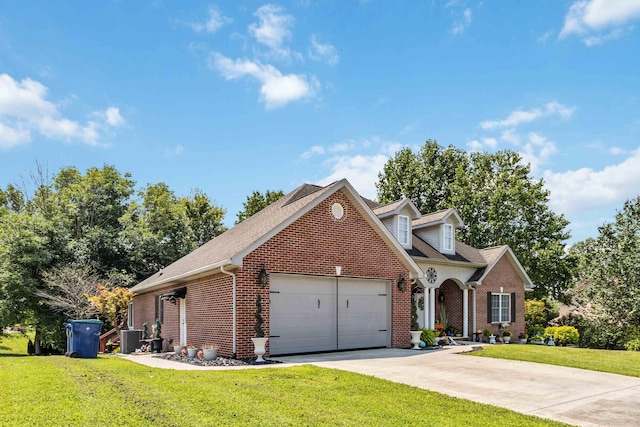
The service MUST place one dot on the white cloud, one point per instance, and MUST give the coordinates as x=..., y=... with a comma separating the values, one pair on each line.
x=315, y=150
x=475, y=145
x=511, y=136
x=518, y=117
x=10, y=137
x=113, y=117
x=463, y=23
x=586, y=16
x=273, y=29
x=360, y=170
x=543, y=38
x=215, y=21
x=585, y=189
x=173, y=152
x=537, y=151
x=323, y=51
x=616, y=151
x=600, y=39
x=276, y=89
x=24, y=109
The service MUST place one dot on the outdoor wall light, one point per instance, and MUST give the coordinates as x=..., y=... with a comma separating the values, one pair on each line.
x=402, y=284
x=263, y=276
x=441, y=296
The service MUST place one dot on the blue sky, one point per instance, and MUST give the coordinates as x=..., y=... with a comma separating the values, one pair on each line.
x=232, y=97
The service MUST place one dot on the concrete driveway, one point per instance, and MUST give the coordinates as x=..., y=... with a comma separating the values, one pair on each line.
x=574, y=396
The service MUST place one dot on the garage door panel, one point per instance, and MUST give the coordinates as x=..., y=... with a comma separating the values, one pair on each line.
x=310, y=313
x=362, y=314
x=303, y=315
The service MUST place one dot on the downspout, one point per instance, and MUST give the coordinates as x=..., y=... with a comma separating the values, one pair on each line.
x=473, y=320
x=235, y=338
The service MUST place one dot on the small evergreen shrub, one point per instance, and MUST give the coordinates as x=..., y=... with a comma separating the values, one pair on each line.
x=428, y=336
x=564, y=335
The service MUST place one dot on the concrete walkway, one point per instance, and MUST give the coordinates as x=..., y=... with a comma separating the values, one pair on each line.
x=575, y=396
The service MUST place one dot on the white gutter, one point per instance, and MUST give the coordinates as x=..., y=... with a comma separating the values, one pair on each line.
x=182, y=276
x=234, y=333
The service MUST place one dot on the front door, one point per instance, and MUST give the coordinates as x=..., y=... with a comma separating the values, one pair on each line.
x=183, y=321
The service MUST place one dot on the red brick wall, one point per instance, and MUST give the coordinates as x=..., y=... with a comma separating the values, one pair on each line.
x=313, y=244
x=502, y=275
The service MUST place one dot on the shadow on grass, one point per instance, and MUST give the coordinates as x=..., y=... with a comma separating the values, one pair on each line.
x=2, y=355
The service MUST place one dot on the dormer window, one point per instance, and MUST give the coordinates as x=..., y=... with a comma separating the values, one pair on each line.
x=403, y=230
x=447, y=241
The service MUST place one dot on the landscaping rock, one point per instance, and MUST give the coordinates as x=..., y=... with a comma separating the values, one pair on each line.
x=219, y=361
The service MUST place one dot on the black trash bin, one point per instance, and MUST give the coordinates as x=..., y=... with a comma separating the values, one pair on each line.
x=83, y=338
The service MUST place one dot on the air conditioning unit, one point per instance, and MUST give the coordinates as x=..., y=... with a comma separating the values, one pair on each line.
x=130, y=341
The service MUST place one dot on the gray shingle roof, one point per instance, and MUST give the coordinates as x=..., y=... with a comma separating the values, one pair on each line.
x=235, y=240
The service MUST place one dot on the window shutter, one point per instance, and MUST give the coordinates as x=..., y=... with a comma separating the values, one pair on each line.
x=513, y=307
x=488, y=307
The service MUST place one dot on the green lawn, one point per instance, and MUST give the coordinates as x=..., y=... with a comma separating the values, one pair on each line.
x=59, y=391
x=612, y=361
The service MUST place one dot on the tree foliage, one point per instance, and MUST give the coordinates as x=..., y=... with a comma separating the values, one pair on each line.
x=112, y=303
x=608, y=269
x=496, y=198
x=95, y=221
x=258, y=201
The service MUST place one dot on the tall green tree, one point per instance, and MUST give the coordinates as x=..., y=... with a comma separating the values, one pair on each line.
x=258, y=201
x=608, y=270
x=205, y=218
x=497, y=199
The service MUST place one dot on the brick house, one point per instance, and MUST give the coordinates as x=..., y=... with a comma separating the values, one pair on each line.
x=335, y=271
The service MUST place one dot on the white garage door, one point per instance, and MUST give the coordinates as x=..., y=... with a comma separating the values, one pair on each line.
x=312, y=313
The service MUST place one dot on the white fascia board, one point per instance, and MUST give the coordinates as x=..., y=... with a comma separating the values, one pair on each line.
x=396, y=211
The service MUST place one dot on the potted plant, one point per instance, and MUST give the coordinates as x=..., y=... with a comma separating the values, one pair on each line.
x=191, y=350
x=415, y=328
x=523, y=338
x=486, y=333
x=109, y=346
x=506, y=334
x=259, y=342
x=210, y=352
x=178, y=349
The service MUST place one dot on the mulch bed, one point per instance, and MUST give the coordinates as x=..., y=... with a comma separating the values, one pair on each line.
x=219, y=361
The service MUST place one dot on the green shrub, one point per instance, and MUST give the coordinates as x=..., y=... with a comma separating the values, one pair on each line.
x=564, y=335
x=599, y=333
x=535, y=332
x=428, y=336
x=633, y=345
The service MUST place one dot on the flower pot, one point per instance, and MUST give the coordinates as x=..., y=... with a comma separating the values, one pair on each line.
x=178, y=349
x=415, y=339
x=492, y=339
x=506, y=339
x=210, y=353
x=191, y=352
x=259, y=347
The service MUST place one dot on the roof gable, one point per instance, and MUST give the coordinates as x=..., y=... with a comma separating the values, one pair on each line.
x=396, y=208
x=440, y=217
x=492, y=256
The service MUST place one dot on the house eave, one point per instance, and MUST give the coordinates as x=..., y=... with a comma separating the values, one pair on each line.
x=184, y=277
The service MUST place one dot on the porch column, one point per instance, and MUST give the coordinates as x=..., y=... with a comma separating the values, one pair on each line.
x=432, y=308
x=465, y=312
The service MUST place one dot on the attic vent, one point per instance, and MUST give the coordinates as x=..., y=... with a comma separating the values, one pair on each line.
x=337, y=210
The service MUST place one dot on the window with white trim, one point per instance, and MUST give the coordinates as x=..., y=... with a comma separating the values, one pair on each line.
x=447, y=241
x=500, y=308
x=130, y=316
x=403, y=229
